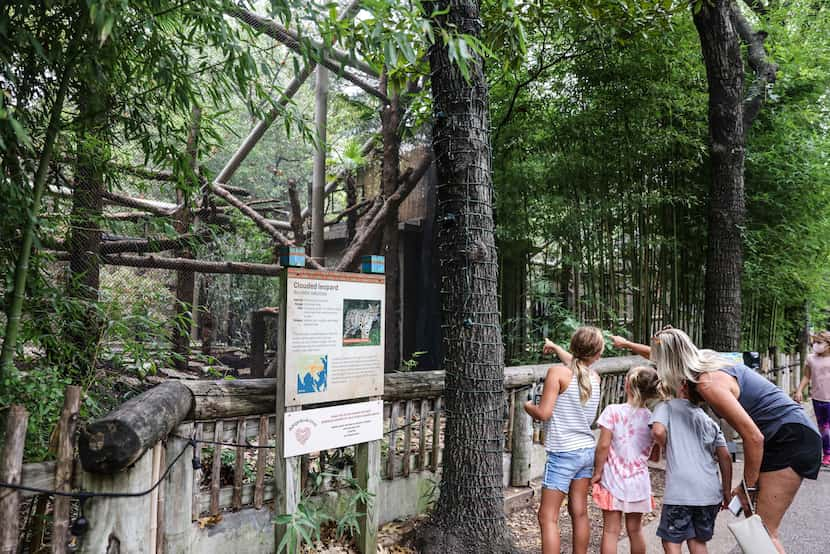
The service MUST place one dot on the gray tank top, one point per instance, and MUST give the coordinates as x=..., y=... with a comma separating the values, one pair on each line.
x=765, y=403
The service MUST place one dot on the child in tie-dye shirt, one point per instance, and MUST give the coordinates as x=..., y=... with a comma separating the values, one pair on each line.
x=621, y=480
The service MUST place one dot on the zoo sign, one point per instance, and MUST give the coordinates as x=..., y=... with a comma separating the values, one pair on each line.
x=334, y=334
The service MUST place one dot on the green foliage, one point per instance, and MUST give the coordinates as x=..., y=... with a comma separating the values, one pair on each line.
x=40, y=391
x=304, y=526
x=301, y=527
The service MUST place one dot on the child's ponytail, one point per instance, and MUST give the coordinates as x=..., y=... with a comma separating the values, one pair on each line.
x=586, y=343
x=643, y=385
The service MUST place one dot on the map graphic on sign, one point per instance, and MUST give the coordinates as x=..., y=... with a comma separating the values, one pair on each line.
x=312, y=373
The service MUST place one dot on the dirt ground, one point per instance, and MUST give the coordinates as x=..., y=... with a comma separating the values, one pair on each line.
x=525, y=527
x=522, y=523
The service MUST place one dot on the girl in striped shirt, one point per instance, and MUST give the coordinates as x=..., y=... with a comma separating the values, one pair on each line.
x=568, y=406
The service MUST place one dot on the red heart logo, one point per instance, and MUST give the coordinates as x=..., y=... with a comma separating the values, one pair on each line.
x=302, y=434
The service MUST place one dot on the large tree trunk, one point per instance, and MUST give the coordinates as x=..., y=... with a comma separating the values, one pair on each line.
x=390, y=117
x=186, y=279
x=724, y=260
x=469, y=515
x=85, y=233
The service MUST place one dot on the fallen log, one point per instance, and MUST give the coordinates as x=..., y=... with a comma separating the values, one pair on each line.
x=118, y=440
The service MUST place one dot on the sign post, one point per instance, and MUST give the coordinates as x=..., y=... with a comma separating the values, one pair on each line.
x=331, y=352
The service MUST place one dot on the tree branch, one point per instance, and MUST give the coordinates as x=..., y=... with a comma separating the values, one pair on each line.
x=408, y=180
x=187, y=264
x=260, y=221
x=296, y=215
x=765, y=70
x=347, y=211
x=276, y=31
x=291, y=39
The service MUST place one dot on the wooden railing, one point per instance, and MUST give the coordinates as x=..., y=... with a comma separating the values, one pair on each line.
x=130, y=448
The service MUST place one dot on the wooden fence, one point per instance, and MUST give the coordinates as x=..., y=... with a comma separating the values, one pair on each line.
x=230, y=465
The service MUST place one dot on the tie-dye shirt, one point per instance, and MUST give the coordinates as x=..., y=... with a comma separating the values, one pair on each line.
x=625, y=474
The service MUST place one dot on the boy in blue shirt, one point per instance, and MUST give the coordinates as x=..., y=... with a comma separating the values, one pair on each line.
x=695, y=493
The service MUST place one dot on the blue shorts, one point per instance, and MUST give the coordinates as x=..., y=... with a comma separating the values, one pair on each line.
x=681, y=523
x=563, y=467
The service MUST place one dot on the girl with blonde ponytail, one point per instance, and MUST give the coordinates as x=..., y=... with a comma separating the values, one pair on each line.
x=568, y=406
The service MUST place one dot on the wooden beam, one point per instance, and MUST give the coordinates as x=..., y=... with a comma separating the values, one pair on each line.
x=293, y=40
x=259, y=129
x=279, y=33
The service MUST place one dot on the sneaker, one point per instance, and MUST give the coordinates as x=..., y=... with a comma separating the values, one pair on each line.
x=825, y=461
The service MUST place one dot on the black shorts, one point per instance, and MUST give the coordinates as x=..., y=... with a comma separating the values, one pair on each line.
x=681, y=523
x=793, y=445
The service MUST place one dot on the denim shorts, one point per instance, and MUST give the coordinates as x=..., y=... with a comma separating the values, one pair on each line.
x=563, y=467
x=681, y=523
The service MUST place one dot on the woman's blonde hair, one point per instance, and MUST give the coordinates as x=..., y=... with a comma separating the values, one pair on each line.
x=678, y=359
x=586, y=342
x=643, y=385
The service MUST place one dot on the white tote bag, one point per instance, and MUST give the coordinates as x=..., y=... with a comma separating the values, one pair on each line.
x=752, y=536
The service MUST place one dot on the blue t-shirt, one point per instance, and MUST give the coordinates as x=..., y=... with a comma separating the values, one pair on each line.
x=692, y=476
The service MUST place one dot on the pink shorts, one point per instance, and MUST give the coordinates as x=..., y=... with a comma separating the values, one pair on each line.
x=607, y=501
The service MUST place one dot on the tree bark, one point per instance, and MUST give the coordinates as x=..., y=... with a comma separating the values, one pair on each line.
x=318, y=184
x=85, y=231
x=469, y=515
x=185, y=278
x=390, y=169
x=724, y=259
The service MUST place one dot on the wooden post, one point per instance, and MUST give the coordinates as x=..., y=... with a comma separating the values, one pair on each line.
x=257, y=344
x=391, y=452
x=261, y=457
x=407, y=438
x=367, y=460
x=119, y=524
x=239, y=466
x=11, y=462
x=216, y=468
x=286, y=470
x=63, y=468
x=177, y=511
x=521, y=453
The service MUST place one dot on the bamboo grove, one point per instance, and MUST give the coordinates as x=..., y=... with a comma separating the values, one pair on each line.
x=601, y=151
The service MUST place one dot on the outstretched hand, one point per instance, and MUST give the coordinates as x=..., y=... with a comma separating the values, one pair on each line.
x=548, y=347
x=619, y=342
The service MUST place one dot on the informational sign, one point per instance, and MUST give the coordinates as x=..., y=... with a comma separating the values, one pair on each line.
x=334, y=334
x=317, y=429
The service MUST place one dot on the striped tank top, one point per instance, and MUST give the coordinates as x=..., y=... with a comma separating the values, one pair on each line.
x=569, y=428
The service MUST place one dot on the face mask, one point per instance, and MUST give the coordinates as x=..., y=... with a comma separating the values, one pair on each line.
x=819, y=347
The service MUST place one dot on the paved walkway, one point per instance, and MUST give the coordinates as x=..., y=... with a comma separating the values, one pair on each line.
x=805, y=529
